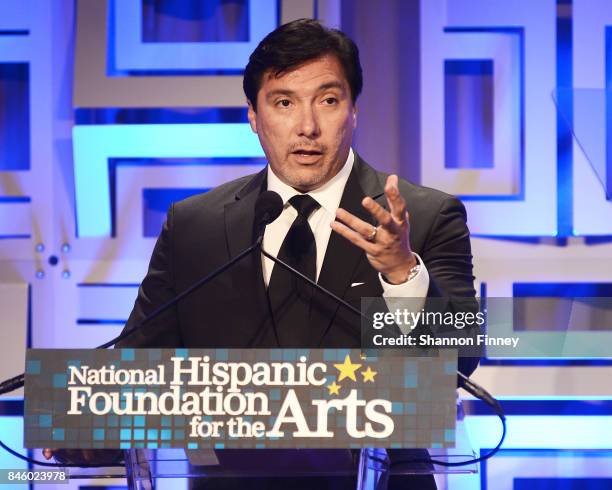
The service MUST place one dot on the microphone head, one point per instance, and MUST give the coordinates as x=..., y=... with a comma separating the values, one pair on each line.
x=268, y=207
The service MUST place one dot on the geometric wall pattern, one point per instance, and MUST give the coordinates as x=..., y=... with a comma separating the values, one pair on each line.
x=80, y=202
x=26, y=141
x=514, y=194
x=94, y=146
x=552, y=190
x=576, y=456
x=133, y=54
x=592, y=62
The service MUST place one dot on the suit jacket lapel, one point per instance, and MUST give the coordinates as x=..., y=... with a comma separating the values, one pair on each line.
x=248, y=274
x=342, y=257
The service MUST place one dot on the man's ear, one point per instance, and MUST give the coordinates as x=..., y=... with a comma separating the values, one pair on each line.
x=252, y=117
x=354, y=116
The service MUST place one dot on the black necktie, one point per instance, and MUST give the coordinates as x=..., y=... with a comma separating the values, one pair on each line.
x=290, y=295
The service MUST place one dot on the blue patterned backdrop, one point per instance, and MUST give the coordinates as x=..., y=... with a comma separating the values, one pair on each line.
x=112, y=109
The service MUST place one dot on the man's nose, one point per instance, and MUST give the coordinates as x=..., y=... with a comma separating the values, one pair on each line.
x=308, y=124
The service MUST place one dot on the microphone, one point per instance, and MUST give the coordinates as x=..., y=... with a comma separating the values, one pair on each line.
x=268, y=207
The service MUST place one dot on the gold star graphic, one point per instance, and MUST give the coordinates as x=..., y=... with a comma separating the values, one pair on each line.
x=347, y=369
x=334, y=389
x=368, y=375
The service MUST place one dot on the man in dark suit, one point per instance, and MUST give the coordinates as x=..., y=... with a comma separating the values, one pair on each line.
x=205, y=231
x=373, y=234
x=356, y=231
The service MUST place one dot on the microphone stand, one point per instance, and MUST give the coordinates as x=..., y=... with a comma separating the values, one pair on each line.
x=286, y=266
x=185, y=293
x=467, y=384
x=18, y=381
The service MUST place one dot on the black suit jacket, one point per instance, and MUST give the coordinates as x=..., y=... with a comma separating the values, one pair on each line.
x=205, y=231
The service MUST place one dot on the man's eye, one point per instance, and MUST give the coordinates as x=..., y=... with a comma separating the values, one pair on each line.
x=284, y=103
x=330, y=100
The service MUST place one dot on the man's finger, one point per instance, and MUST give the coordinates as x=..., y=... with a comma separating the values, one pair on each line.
x=362, y=227
x=397, y=204
x=381, y=214
x=353, y=237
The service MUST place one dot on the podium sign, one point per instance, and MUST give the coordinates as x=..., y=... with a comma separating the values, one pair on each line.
x=238, y=398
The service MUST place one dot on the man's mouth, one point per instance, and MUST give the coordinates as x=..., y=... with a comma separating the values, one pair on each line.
x=307, y=152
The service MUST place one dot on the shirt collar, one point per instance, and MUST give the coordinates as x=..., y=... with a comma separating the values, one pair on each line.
x=328, y=195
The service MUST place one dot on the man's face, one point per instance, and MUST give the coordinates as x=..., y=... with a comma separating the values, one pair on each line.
x=305, y=121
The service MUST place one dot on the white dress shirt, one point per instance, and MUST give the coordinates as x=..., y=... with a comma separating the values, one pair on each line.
x=328, y=196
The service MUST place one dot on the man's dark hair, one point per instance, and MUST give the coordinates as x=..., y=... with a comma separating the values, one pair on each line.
x=293, y=44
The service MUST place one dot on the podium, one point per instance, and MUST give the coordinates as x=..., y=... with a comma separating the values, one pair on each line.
x=397, y=402
x=370, y=466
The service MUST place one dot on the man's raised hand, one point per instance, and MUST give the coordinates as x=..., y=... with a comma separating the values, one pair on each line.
x=387, y=246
